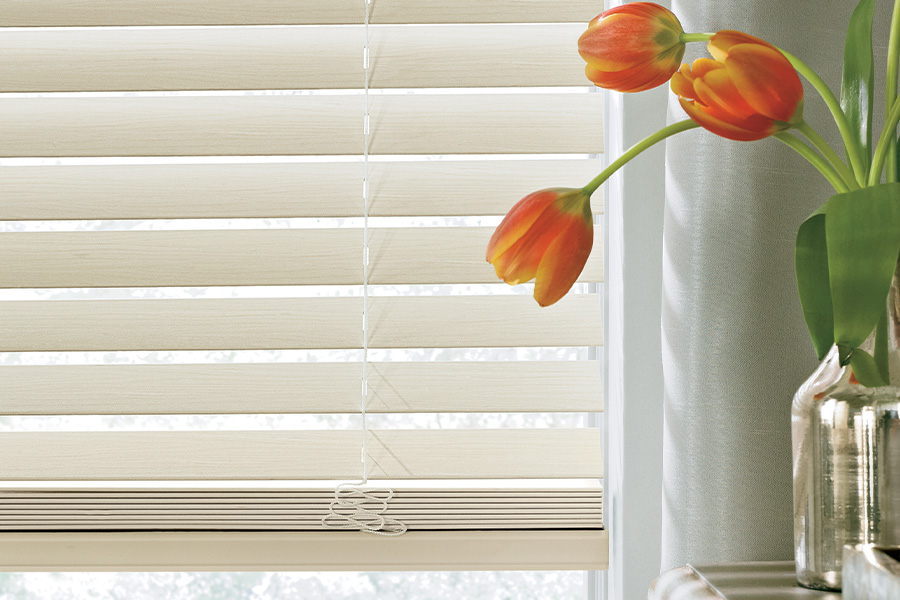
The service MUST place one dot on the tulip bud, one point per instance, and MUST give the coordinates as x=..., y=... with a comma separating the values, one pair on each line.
x=749, y=92
x=633, y=47
x=547, y=236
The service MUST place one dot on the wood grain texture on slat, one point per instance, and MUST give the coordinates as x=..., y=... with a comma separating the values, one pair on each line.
x=319, y=189
x=445, y=513
x=304, y=124
x=445, y=255
x=424, y=490
x=258, y=324
x=254, y=58
x=284, y=388
x=395, y=454
x=449, y=508
x=105, y=492
x=484, y=321
x=398, y=256
x=187, y=527
x=24, y=13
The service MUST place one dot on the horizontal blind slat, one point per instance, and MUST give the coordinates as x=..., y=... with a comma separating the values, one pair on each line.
x=242, y=58
x=395, y=454
x=290, y=526
x=284, y=388
x=286, y=12
x=448, y=507
x=309, y=125
x=161, y=491
x=447, y=513
x=319, y=189
x=255, y=324
x=256, y=257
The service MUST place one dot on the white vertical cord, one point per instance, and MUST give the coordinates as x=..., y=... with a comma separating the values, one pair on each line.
x=365, y=318
x=355, y=505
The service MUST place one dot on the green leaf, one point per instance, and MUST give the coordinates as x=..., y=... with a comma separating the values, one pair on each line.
x=811, y=263
x=865, y=369
x=862, y=232
x=858, y=83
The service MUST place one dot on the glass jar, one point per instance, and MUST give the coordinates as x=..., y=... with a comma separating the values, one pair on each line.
x=846, y=449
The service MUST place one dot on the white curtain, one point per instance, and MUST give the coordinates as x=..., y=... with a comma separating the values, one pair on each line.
x=735, y=346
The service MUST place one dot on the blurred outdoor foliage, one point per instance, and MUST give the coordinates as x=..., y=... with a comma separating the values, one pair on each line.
x=432, y=585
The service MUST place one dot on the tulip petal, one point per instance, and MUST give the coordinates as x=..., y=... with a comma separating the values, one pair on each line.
x=702, y=66
x=683, y=83
x=642, y=77
x=519, y=219
x=722, y=41
x=745, y=131
x=765, y=79
x=648, y=10
x=520, y=262
x=641, y=9
x=563, y=261
x=717, y=89
x=618, y=42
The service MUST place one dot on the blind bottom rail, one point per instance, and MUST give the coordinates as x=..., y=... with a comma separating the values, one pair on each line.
x=306, y=551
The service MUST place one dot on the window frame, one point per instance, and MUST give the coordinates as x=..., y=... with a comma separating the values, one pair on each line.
x=633, y=377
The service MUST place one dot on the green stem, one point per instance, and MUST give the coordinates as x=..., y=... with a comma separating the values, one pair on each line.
x=892, y=74
x=854, y=151
x=828, y=152
x=881, y=347
x=815, y=160
x=695, y=37
x=645, y=143
x=884, y=142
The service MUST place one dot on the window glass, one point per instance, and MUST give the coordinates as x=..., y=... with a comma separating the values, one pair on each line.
x=431, y=585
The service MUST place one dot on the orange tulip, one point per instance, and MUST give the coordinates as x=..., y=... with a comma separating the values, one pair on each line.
x=633, y=47
x=750, y=91
x=547, y=236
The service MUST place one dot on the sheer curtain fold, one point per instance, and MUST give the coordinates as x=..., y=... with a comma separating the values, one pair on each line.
x=735, y=347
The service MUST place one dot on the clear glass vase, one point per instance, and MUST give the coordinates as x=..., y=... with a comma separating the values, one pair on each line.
x=846, y=447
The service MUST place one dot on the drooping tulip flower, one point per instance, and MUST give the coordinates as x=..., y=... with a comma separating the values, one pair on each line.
x=748, y=92
x=547, y=236
x=633, y=47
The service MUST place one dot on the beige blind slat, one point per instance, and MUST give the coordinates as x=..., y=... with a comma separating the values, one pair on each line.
x=393, y=387
x=412, y=255
x=248, y=324
x=419, y=510
x=318, y=124
x=287, y=12
x=68, y=525
x=312, y=551
x=395, y=454
x=241, y=58
x=412, y=491
x=320, y=189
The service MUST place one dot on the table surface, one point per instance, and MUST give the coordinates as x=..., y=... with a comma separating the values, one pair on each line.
x=735, y=581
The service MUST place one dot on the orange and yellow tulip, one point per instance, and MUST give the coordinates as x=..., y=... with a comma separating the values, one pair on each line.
x=633, y=47
x=748, y=91
x=547, y=236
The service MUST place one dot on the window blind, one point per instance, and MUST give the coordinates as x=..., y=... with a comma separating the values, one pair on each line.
x=169, y=111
